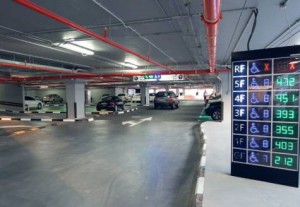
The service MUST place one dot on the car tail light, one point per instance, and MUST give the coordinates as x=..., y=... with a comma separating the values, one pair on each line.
x=171, y=99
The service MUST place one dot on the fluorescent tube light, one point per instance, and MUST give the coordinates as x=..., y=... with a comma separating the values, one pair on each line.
x=130, y=65
x=76, y=48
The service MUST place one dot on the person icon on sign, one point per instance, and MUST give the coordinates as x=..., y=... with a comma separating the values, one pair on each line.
x=254, y=69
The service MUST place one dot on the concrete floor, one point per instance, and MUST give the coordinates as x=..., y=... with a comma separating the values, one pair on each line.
x=223, y=190
x=124, y=160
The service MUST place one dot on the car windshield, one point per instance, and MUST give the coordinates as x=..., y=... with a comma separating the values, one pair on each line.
x=161, y=94
x=116, y=98
x=106, y=98
x=28, y=98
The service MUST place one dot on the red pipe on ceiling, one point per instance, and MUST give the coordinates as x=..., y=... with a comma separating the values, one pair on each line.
x=90, y=33
x=211, y=17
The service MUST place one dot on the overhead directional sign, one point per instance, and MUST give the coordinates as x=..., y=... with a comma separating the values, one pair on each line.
x=158, y=77
x=265, y=119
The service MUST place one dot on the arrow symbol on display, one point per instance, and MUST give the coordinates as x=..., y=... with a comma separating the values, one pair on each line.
x=134, y=123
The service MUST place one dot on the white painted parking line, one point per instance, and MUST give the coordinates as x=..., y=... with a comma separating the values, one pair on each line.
x=6, y=119
x=69, y=120
x=25, y=119
x=14, y=126
x=203, y=161
x=200, y=185
x=46, y=119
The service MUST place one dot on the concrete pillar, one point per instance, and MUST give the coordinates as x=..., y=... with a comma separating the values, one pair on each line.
x=88, y=97
x=167, y=87
x=144, y=94
x=218, y=86
x=226, y=96
x=75, y=96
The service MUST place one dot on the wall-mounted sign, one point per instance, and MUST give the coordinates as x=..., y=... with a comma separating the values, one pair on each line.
x=158, y=77
x=265, y=118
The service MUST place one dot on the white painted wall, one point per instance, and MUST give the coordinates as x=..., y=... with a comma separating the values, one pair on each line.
x=97, y=93
x=12, y=97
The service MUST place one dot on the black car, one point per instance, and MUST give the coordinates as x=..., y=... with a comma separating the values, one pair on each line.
x=214, y=109
x=113, y=103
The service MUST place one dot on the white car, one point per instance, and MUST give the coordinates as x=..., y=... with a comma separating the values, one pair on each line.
x=124, y=97
x=136, y=98
x=30, y=102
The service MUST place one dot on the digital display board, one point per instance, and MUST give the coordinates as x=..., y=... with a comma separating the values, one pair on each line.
x=265, y=118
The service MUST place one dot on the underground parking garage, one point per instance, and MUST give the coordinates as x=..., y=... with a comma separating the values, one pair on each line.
x=149, y=103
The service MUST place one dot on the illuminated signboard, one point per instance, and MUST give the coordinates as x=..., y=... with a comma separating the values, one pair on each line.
x=265, y=116
x=158, y=77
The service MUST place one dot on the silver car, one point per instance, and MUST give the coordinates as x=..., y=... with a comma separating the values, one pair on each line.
x=166, y=98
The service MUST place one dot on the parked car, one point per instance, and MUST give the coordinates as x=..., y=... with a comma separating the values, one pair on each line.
x=113, y=103
x=30, y=102
x=212, y=98
x=214, y=109
x=105, y=95
x=136, y=98
x=166, y=98
x=52, y=98
x=124, y=97
x=38, y=98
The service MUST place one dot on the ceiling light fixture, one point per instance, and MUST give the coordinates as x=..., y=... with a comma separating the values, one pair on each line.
x=130, y=65
x=75, y=48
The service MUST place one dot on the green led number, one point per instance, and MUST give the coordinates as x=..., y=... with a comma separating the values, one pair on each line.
x=285, y=114
x=284, y=145
x=286, y=161
x=284, y=98
x=284, y=130
x=286, y=81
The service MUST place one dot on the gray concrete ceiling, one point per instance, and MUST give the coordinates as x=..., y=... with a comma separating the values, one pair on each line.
x=170, y=32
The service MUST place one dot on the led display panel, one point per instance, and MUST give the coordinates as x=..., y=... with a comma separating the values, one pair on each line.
x=265, y=115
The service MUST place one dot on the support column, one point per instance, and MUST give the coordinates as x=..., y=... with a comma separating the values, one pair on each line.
x=75, y=98
x=226, y=95
x=145, y=101
x=167, y=87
